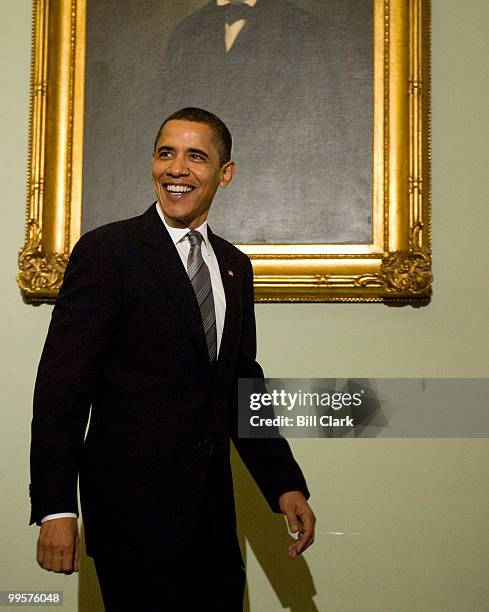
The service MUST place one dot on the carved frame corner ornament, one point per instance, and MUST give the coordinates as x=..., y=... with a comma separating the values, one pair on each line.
x=395, y=268
x=404, y=272
x=40, y=274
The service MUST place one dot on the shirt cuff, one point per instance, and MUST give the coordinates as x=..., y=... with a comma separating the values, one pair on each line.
x=50, y=517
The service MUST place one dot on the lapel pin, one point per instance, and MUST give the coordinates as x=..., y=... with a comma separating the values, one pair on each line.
x=230, y=273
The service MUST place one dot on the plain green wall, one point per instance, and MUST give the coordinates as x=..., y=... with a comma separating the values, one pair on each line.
x=403, y=524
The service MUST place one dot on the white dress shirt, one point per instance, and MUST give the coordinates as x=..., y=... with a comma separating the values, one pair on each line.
x=232, y=30
x=182, y=244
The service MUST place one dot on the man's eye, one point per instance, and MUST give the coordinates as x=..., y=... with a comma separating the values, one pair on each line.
x=164, y=154
x=196, y=156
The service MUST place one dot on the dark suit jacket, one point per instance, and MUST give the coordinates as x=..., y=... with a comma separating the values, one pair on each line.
x=126, y=338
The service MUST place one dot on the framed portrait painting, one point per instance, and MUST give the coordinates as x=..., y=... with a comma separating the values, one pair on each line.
x=328, y=104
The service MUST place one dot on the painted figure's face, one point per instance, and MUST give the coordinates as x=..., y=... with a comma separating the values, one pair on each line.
x=187, y=171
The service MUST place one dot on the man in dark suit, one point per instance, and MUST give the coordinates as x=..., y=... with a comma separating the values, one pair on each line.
x=153, y=326
x=296, y=92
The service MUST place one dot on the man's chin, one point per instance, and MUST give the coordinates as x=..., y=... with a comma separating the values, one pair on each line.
x=177, y=220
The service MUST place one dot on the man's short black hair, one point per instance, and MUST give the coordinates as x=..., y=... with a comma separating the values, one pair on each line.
x=223, y=139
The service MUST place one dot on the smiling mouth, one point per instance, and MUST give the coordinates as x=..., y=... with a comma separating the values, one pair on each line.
x=178, y=189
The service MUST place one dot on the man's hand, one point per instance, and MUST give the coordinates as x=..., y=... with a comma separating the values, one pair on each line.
x=58, y=545
x=300, y=518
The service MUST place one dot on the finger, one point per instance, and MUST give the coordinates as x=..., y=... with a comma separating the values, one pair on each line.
x=292, y=521
x=300, y=545
x=67, y=556
x=308, y=519
x=305, y=543
x=306, y=535
x=56, y=560
x=307, y=530
x=293, y=549
x=46, y=556
x=48, y=559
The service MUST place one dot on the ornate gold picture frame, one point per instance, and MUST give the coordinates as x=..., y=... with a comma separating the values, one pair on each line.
x=395, y=268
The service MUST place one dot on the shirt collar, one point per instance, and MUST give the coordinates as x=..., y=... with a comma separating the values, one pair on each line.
x=224, y=2
x=177, y=234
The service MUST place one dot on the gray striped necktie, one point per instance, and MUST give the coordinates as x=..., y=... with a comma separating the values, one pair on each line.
x=200, y=278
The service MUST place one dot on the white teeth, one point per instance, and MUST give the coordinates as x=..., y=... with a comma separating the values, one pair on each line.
x=178, y=188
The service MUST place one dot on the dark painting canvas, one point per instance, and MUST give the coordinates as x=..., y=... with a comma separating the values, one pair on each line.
x=293, y=80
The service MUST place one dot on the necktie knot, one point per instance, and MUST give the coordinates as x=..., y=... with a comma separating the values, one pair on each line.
x=194, y=237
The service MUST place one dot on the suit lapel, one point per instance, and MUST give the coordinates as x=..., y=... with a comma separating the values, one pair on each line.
x=231, y=283
x=161, y=254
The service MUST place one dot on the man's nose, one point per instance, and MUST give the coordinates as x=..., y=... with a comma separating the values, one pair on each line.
x=178, y=166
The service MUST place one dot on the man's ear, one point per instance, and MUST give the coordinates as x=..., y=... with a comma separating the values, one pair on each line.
x=228, y=172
